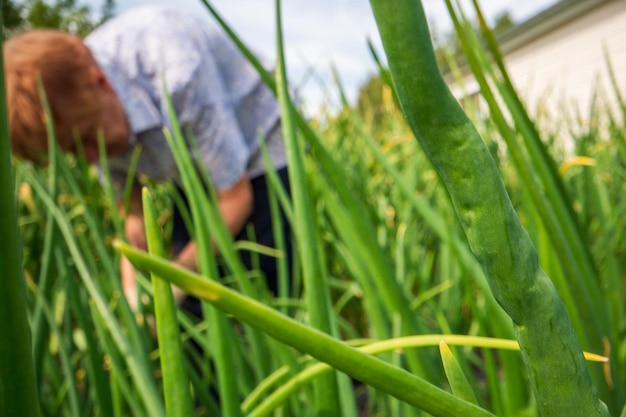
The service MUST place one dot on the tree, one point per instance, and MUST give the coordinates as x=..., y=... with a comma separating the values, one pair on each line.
x=503, y=22
x=60, y=14
x=11, y=14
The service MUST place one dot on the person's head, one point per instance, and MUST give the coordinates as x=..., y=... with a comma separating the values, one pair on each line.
x=82, y=101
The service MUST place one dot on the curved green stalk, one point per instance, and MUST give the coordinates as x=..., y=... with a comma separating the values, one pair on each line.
x=538, y=175
x=550, y=347
x=347, y=359
x=289, y=387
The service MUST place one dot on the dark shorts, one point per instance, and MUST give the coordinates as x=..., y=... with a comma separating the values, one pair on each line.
x=261, y=222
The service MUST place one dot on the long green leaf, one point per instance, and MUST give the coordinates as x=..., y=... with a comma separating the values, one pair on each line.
x=383, y=376
x=456, y=377
x=553, y=356
x=327, y=403
x=220, y=332
x=18, y=394
x=134, y=357
x=178, y=402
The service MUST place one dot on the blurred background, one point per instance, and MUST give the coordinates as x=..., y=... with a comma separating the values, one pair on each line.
x=319, y=36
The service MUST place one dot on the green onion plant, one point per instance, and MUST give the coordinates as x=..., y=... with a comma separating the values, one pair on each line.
x=447, y=261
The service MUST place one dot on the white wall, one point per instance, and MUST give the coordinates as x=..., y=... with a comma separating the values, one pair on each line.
x=557, y=74
x=561, y=70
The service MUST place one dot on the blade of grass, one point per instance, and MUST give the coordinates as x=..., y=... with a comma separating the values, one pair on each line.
x=99, y=380
x=456, y=377
x=125, y=392
x=18, y=392
x=73, y=408
x=46, y=277
x=178, y=402
x=327, y=402
x=220, y=332
x=95, y=228
x=134, y=356
x=279, y=203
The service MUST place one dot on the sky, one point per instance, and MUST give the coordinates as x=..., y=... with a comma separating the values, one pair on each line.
x=323, y=35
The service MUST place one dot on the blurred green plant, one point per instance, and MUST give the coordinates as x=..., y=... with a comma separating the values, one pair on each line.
x=18, y=392
x=381, y=229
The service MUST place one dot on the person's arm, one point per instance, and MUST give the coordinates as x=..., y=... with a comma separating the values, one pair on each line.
x=235, y=203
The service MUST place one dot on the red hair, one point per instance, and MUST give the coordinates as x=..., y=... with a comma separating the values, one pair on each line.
x=63, y=63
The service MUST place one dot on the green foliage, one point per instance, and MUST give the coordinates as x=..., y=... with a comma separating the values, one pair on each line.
x=370, y=103
x=398, y=273
x=66, y=15
x=12, y=14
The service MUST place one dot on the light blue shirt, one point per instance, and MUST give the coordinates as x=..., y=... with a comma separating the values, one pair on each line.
x=215, y=92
